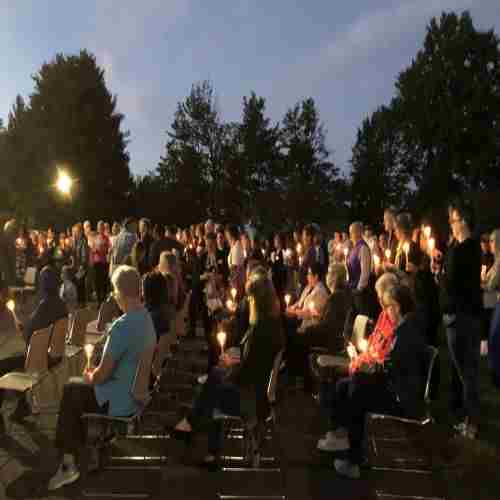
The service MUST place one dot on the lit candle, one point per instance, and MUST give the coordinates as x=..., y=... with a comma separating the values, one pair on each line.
x=299, y=248
x=230, y=304
x=406, y=250
x=89, y=350
x=11, y=305
x=288, y=253
x=234, y=293
x=263, y=252
x=346, y=253
x=363, y=345
x=311, y=306
x=387, y=254
x=288, y=297
x=19, y=242
x=221, y=339
x=431, y=245
x=300, y=260
x=40, y=249
x=427, y=231
x=376, y=261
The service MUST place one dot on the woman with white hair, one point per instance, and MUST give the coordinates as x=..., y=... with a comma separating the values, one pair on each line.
x=105, y=389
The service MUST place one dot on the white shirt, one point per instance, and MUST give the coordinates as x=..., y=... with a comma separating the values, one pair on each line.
x=235, y=257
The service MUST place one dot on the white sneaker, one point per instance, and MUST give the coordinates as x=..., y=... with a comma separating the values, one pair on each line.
x=202, y=379
x=346, y=469
x=66, y=474
x=333, y=442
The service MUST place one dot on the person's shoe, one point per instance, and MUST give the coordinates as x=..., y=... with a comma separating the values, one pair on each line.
x=202, y=379
x=347, y=469
x=66, y=474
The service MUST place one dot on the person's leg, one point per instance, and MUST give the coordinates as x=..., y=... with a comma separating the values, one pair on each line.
x=100, y=281
x=78, y=398
x=194, y=305
x=471, y=332
x=456, y=352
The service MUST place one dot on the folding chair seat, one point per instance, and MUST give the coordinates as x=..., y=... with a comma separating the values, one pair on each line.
x=397, y=431
x=36, y=364
x=101, y=427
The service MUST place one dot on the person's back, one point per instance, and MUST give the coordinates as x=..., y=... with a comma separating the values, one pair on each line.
x=156, y=298
x=130, y=335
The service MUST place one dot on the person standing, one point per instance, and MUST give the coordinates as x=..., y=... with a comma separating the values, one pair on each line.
x=461, y=302
x=99, y=254
x=123, y=244
x=145, y=237
x=80, y=258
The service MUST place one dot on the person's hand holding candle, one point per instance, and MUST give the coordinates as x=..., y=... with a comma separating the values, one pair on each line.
x=363, y=345
x=221, y=339
x=351, y=351
x=89, y=351
x=288, y=298
x=234, y=293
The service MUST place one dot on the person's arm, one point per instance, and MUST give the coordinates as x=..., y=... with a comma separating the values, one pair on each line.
x=365, y=261
x=492, y=282
x=104, y=371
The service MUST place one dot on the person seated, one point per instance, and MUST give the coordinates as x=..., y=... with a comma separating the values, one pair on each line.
x=371, y=354
x=105, y=389
x=305, y=313
x=229, y=382
x=50, y=309
x=156, y=301
x=394, y=385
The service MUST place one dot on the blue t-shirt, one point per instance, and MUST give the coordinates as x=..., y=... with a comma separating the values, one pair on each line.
x=129, y=336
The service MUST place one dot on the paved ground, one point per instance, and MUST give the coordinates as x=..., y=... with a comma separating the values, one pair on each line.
x=28, y=458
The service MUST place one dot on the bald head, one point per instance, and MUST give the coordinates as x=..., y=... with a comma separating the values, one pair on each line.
x=356, y=231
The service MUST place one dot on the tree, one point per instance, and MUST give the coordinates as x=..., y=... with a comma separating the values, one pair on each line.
x=377, y=176
x=192, y=168
x=449, y=103
x=310, y=178
x=71, y=121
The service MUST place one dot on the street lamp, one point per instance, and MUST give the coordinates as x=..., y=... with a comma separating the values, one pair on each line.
x=64, y=183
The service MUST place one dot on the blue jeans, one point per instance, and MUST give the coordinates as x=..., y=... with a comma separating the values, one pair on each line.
x=464, y=341
x=219, y=394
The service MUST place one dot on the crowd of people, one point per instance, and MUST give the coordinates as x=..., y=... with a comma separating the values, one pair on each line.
x=298, y=291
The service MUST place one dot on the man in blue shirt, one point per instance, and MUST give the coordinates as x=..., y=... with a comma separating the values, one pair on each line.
x=107, y=388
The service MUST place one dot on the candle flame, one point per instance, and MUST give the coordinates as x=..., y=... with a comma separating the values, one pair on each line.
x=387, y=254
x=376, y=260
x=288, y=297
x=234, y=292
x=11, y=305
x=221, y=339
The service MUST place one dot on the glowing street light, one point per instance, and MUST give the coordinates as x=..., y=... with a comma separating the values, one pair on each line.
x=64, y=182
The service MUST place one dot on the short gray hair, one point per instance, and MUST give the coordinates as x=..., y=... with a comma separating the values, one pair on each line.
x=127, y=282
x=386, y=281
x=336, y=277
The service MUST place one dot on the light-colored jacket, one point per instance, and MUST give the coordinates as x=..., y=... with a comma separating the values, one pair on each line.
x=317, y=296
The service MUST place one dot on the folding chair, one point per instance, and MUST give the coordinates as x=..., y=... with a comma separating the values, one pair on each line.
x=108, y=311
x=102, y=428
x=393, y=431
x=36, y=364
x=29, y=283
x=251, y=439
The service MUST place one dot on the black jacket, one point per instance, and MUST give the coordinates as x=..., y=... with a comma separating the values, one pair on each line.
x=406, y=366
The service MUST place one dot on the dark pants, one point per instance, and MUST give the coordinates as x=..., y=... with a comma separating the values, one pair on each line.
x=354, y=397
x=101, y=280
x=464, y=341
x=220, y=394
x=81, y=290
x=78, y=398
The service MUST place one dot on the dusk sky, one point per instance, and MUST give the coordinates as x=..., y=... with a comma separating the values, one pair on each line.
x=346, y=55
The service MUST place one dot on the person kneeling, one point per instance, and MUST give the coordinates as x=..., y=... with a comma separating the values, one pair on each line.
x=105, y=389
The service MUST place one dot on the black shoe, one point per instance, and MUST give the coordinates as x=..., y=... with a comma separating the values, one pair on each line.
x=186, y=437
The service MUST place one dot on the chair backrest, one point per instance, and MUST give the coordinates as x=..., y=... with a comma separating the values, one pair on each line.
x=58, y=338
x=161, y=354
x=140, y=387
x=432, y=353
x=30, y=276
x=273, y=378
x=107, y=312
x=359, y=328
x=37, y=355
x=82, y=317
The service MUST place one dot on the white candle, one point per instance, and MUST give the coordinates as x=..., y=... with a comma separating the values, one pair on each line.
x=89, y=350
x=234, y=292
x=376, y=261
x=288, y=297
x=230, y=304
x=388, y=254
x=221, y=339
x=299, y=248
